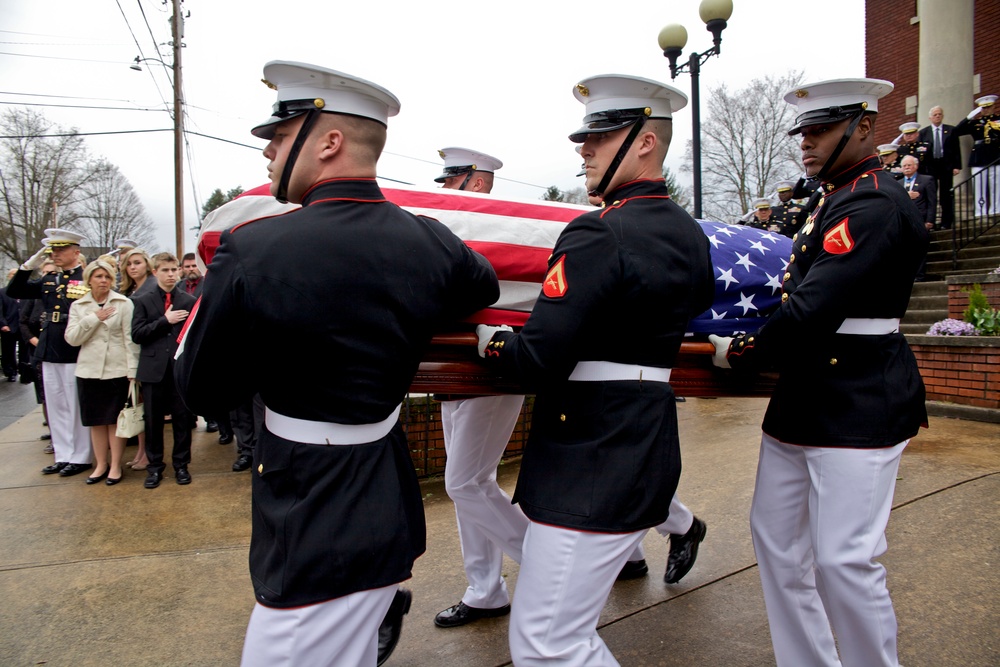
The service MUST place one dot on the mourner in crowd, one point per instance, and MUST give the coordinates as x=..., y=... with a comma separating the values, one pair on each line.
x=136, y=267
x=943, y=162
x=100, y=323
x=338, y=517
x=30, y=368
x=476, y=432
x=983, y=125
x=849, y=395
x=57, y=291
x=603, y=459
x=10, y=331
x=157, y=320
x=921, y=190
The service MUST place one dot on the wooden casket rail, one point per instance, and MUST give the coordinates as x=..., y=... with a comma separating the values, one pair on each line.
x=452, y=366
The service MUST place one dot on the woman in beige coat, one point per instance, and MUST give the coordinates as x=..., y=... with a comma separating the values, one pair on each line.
x=101, y=324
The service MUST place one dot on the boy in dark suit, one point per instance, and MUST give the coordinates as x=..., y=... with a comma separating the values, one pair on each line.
x=157, y=321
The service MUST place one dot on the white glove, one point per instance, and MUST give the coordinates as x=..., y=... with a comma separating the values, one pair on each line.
x=36, y=260
x=975, y=112
x=485, y=333
x=721, y=344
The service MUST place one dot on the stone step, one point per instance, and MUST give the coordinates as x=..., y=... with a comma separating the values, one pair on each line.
x=917, y=329
x=942, y=252
x=965, y=266
x=929, y=302
x=930, y=288
x=925, y=316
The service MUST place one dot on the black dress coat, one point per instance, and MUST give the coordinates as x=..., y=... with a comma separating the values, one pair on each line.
x=855, y=257
x=358, y=286
x=622, y=285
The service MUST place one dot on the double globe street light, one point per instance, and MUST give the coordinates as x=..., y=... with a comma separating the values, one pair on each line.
x=672, y=40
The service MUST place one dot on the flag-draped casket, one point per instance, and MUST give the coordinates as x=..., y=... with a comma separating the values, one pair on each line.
x=517, y=237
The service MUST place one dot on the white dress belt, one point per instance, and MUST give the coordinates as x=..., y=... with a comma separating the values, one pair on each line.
x=328, y=433
x=859, y=326
x=606, y=371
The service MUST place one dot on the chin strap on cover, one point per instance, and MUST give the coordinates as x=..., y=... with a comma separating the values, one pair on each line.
x=853, y=125
x=293, y=154
x=613, y=167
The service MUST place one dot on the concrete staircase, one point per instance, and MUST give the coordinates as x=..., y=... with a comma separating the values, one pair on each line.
x=929, y=300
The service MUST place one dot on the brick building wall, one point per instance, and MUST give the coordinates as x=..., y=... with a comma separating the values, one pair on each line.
x=421, y=418
x=891, y=44
x=959, y=370
x=888, y=32
x=958, y=298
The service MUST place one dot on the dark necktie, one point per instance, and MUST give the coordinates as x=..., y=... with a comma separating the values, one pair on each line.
x=938, y=148
x=166, y=303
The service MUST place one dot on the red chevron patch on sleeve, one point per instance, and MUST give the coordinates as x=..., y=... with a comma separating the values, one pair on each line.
x=555, y=285
x=838, y=240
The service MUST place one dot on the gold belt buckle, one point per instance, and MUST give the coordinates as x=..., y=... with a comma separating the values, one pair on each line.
x=54, y=317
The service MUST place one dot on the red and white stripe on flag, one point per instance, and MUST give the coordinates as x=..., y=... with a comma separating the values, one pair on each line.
x=517, y=237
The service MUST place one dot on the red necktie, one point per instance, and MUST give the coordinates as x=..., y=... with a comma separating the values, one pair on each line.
x=166, y=303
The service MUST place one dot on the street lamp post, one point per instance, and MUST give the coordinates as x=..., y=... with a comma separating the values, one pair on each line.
x=672, y=40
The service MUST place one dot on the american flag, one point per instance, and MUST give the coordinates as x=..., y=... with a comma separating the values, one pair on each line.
x=517, y=237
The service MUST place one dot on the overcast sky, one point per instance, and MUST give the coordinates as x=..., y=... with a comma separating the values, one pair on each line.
x=496, y=77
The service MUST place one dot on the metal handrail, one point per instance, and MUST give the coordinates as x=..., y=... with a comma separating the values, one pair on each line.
x=977, y=208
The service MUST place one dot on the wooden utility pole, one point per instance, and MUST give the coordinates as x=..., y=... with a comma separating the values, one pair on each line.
x=177, y=24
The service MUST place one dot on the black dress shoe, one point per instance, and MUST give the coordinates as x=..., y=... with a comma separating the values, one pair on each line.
x=392, y=624
x=95, y=480
x=153, y=480
x=54, y=468
x=211, y=427
x=242, y=463
x=45, y=436
x=71, y=469
x=111, y=481
x=633, y=569
x=225, y=439
x=182, y=476
x=684, y=551
x=462, y=614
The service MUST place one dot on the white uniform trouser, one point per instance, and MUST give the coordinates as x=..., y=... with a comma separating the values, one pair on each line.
x=342, y=632
x=476, y=433
x=70, y=438
x=678, y=523
x=564, y=581
x=987, y=184
x=818, y=521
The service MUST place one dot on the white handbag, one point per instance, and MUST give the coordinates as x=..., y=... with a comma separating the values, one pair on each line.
x=131, y=420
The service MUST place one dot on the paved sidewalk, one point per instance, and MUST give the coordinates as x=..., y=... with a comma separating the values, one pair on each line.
x=128, y=576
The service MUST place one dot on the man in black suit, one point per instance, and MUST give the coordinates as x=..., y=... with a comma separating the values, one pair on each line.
x=943, y=163
x=921, y=189
x=157, y=321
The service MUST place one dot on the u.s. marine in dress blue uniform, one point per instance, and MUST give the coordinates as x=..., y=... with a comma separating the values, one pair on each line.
x=602, y=459
x=849, y=394
x=357, y=286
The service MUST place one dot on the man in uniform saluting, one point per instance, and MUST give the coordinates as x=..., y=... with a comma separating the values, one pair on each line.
x=849, y=395
x=602, y=459
x=57, y=291
x=337, y=512
x=788, y=214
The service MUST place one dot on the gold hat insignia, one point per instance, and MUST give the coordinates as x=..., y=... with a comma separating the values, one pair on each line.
x=583, y=89
x=801, y=92
x=268, y=84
